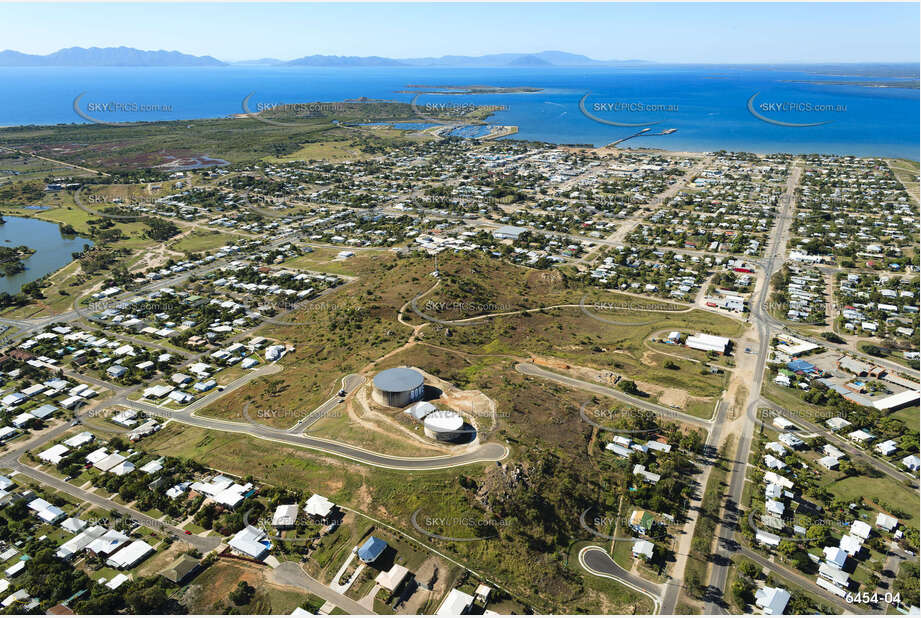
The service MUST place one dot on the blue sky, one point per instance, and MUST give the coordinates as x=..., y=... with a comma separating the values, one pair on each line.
x=681, y=32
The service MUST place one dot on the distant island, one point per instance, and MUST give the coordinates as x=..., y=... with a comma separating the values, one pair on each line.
x=107, y=57
x=476, y=89
x=545, y=58
x=911, y=84
x=131, y=57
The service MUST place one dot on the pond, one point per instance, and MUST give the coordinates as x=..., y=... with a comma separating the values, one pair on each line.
x=52, y=249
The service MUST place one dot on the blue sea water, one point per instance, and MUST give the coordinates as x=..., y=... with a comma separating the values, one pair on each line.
x=706, y=104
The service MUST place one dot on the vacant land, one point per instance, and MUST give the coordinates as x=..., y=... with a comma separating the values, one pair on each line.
x=884, y=489
x=209, y=592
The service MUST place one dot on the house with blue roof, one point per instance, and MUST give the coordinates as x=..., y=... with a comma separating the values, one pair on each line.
x=372, y=549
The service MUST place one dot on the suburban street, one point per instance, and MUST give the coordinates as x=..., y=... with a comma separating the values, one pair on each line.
x=725, y=533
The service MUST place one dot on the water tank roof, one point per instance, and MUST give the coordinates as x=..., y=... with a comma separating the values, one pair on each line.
x=444, y=420
x=398, y=380
x=420, y=410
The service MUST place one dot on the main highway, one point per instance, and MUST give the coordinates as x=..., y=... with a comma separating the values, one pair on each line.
x=725, y=532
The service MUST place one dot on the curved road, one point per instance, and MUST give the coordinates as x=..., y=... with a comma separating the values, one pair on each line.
x=489, y=452
x=539, y=372
x=596, y=561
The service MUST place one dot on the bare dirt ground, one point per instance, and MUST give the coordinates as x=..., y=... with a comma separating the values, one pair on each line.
x=674, y=397
x=162, y=560
x=439, y=589
x=475, y=406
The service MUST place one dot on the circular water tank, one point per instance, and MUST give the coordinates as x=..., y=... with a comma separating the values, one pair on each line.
x=444, y=425
x=398, y=387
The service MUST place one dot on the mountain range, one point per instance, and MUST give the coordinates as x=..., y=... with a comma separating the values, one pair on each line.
x=106, y=57
x=130, y=57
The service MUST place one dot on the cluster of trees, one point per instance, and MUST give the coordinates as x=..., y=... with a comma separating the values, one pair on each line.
x=907, y=583
x=160, y=229
x=97, y=258
x=225, y=521
x=11, y=259
x=27, y=192
x=54, y=580
x=737, y=243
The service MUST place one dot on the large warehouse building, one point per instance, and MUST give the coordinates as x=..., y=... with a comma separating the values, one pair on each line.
x=398, y=387
x=708, y=343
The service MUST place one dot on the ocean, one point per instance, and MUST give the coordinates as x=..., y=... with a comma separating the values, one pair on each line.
x=708, y=106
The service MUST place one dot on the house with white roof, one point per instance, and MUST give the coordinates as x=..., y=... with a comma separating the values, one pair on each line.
x=46, y=511
x=78, y=440
x=79, y=542
x=776, y=479
x=107, y=543
x=319, y=508
x=54, y=454
x=108, y=462
x=285, y=516
x=251, y=542
x=73, y=525
x=643, y=549
x=833, y=451
x=21, y=420
x=861, y=529
x=117, y=581
x=834, y=574
x=456, y=603
x=391, y=580
x=122, y=468
x=773, y=491
x=772, y=462
x=886, y=522
x=772, y=601
x=886, y=448
x=850, y=544
x=776, y=447
x=774, y=507
x=860, y=436
x=835, y=556
x=130, y=556
x=766, y=538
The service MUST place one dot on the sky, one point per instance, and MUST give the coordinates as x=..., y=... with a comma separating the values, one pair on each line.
x=677, y=32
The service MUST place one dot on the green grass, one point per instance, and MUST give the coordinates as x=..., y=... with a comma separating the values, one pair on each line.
x=910, y=416
x=203, y=240
x=885, y=489
x=683, y=609
x=790, y=399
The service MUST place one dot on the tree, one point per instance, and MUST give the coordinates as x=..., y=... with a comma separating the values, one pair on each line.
x=906, y=583
x=786, y=548
x=749, y=568
x=694, y=586
x=242, y=594
x=818, y=535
